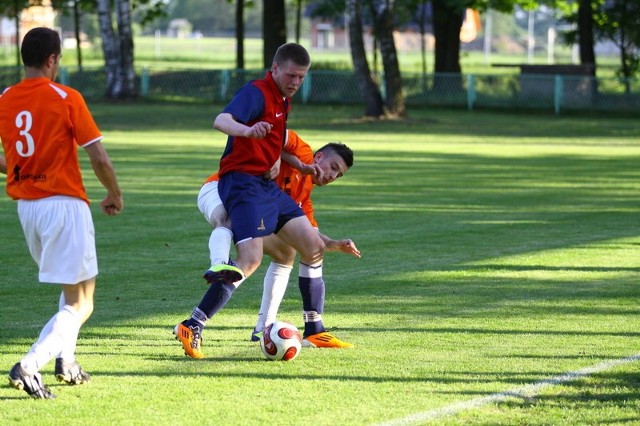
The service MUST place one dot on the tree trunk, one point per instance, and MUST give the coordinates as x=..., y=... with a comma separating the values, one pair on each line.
x=110, y=48
x=392, y=77
x=274, y=29
x=298, y=19
x=240, y=34
x=585, y=34
x=127, y=72
x=423, y=42
x=76, y=24
x=626, y=49
x=118, y=50
x=372, y=97
x=17, y=21
x=447, y=22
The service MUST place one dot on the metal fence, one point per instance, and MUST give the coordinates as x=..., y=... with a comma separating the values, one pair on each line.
x=554, y=93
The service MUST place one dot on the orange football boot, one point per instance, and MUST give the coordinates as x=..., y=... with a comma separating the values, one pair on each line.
x=324, y=340
x=191, y=339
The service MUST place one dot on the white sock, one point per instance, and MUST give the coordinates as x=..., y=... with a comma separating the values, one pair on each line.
x=60, y=333
x=237, y=283
x=68, y=352
x=274, y=287
x=199, y=316
x=220, y=245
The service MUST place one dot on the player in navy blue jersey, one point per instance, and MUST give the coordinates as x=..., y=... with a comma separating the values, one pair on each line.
x=256, y=122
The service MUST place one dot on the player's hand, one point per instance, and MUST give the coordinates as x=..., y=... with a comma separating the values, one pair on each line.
x=346, y=246
x=112, y=205
x=312, y=169
x=259, y=130
x=318, y=173
x=274, y=171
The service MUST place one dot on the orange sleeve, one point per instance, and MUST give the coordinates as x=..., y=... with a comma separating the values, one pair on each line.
x=84, y=126
x=292, y=142
x=292, y=182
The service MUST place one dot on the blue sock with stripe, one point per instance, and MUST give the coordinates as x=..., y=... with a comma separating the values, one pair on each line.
x=312, y=290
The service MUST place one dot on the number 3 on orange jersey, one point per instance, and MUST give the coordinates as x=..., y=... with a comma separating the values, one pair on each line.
x=24, y=122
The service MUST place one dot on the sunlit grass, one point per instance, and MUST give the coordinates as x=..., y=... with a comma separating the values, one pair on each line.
x=498, y=250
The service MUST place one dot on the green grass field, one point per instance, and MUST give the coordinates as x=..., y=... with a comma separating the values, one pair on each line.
x=219, y=53
x=499, y=281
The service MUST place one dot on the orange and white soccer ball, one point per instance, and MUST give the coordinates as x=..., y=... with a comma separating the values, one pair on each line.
x=281, y=341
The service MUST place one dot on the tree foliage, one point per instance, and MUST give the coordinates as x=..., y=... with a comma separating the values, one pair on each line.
x=617, y=21
x=604, y=20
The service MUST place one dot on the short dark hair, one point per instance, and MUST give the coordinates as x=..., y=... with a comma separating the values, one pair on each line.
x=341, y=149
x=293, y=52
x=38, y=44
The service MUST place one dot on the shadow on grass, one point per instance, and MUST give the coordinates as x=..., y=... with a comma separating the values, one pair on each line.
x=217, y=333
x=431, y=222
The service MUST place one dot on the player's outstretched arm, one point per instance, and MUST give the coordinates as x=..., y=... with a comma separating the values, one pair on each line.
x=346, y=246
x=3, y=165
x=103, y=168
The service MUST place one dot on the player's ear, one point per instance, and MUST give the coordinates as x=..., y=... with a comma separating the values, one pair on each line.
x=318, y=156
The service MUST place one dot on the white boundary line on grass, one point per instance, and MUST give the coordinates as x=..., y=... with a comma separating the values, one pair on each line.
x=527, y=391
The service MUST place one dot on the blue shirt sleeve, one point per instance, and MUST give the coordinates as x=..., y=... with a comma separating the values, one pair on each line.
x=247, y=104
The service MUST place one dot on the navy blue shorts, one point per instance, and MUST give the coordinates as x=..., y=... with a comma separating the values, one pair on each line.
x=257, y=207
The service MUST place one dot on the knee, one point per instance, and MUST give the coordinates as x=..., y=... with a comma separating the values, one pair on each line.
x=249, y=263
x=284, y=256
x=219, y=217
x=314, y=253
x=220, y=223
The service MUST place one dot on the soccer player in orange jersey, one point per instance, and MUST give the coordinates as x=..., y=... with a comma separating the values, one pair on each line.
x=329, y=161
x=300, y=171
x=42, y=124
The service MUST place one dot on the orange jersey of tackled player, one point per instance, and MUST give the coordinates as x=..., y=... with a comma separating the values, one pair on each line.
x=290, y=179
x=41, y=125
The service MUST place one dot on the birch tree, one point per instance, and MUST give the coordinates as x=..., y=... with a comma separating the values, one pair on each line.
x=373, y=98
x=384, y=25
x=117, y=48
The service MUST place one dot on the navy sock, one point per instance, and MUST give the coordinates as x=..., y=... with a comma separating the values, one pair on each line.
x=216, y=297
x=311, y=325
x=312, y=291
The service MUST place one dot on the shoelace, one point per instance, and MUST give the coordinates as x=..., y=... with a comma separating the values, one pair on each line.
x=195, y=342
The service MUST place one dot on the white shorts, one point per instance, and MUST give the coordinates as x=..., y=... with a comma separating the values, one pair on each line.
x=61, y=238
x=211, y=206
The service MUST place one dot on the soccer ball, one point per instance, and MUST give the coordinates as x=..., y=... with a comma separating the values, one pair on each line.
x=281, y=341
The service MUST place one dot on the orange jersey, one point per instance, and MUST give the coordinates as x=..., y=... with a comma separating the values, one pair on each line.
x=42, y=123
x=290, y=179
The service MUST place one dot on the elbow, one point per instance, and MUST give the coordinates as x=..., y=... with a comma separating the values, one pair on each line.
x=218, y=122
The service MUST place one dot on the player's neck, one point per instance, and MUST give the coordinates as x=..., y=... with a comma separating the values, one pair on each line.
x=32, y=72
